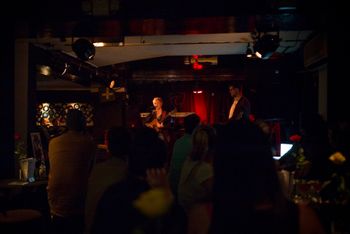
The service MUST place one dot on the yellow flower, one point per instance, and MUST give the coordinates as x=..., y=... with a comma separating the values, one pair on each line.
x=154, y=202
x=337, y=158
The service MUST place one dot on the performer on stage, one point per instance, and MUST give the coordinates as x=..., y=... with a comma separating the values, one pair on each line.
x=157, y=117
x=240, y=108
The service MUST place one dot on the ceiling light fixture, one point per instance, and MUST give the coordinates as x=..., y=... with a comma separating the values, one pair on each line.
x=99, y=44
x=84, y=49
x=266, y=45
x=249, y=52
x=112, y=84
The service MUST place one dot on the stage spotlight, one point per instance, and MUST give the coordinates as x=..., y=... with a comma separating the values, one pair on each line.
x=266, y=45
x=84, y=49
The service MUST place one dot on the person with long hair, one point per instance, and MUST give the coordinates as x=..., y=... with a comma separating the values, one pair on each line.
x=195, y=185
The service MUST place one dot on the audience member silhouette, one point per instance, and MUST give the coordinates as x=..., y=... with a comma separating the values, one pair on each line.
x=117, y=212
x=195, y=186
x=71, y=156
x=181, y=151
x=108, y=172
x=247, y=195
x=316, y=145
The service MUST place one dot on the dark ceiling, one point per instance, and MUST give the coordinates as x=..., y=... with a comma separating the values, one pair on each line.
x=307, y=15
x=72, y=9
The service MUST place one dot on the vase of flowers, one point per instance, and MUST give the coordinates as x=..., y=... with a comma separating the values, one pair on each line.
x=20, y=148
x=302, y=189
x=20, y=153
x=300, y=160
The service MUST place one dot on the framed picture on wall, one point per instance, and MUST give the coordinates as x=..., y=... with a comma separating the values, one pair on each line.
x=38, y=151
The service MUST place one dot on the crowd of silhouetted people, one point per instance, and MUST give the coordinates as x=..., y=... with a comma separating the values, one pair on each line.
x=220, y=178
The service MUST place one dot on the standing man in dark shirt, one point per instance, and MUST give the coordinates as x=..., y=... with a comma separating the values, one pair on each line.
x=240, y=108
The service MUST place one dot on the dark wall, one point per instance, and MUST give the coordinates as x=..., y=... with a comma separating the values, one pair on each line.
x=338, y=63
x=107, y=115
x=7, y=101
x=273, y=87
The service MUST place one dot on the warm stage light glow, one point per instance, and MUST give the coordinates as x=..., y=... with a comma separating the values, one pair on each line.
x=112, y=84
x=99, y=44
x=45, y=70
x=258, y=54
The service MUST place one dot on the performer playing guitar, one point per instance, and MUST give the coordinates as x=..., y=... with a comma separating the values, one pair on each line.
x=158, y=116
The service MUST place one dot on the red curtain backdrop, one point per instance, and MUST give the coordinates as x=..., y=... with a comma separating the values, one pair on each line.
x=210, y=106
x=200, y=106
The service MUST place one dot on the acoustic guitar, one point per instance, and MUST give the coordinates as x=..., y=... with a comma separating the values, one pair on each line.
x=154, y=123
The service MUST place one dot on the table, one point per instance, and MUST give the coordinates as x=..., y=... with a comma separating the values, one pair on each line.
x=18, y=194
x=15, y=183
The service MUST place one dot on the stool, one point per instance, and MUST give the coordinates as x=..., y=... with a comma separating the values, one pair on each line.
x=21, y=221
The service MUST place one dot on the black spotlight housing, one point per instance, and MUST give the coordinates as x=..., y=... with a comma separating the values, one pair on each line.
x=266, y=45
x=84, y=49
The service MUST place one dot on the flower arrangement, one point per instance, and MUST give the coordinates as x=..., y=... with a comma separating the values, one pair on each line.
x=337, y=158
x=20, y=148
x=337, y=189
x=298, y=154
x=299, y=161
x=295, y=138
